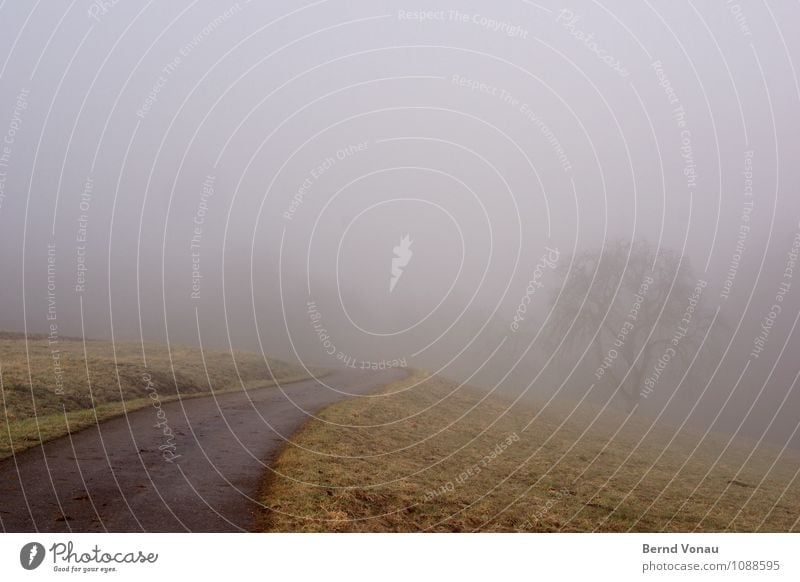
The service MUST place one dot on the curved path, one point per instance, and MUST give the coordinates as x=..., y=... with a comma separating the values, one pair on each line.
x=121, y=476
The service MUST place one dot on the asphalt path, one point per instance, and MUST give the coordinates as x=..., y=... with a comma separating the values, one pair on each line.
x=196, y=466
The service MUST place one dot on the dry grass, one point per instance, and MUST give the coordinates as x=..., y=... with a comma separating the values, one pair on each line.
x=37, y=408
x=413, y=474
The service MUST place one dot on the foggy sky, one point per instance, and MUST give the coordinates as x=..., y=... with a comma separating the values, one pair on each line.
x=281, y=151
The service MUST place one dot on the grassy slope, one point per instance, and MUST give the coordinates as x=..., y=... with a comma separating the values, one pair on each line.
x=33, y=412
x=414, y=484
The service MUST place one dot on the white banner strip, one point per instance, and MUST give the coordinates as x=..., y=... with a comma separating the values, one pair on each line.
x=352, y=557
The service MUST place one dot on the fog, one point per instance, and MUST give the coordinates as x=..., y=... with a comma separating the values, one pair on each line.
x=375, y=184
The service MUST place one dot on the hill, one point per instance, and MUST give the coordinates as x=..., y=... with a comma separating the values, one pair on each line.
x=427, y=455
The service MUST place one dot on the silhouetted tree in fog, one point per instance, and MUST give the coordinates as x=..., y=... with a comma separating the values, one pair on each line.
x=637, y=313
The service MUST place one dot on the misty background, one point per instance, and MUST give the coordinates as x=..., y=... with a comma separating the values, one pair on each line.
x=241, y=175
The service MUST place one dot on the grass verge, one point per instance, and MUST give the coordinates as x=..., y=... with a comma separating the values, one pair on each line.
x=432, y=458
x=46, y=397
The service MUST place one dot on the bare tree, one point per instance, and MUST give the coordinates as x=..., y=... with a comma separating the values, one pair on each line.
x=639, y=311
